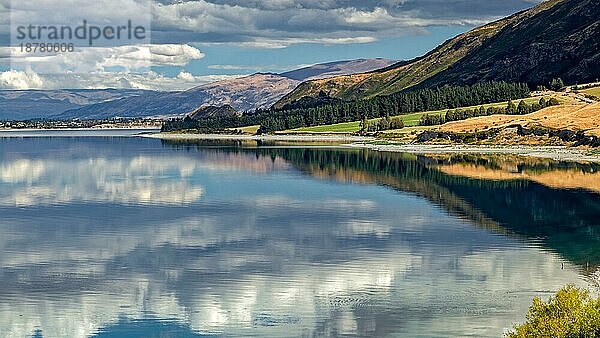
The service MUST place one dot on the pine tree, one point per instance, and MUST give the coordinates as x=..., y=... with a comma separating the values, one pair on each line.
x=364, y=124
x=557, y=84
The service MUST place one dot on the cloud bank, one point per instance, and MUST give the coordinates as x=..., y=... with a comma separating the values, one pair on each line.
x=179, y=30
x=285, y=22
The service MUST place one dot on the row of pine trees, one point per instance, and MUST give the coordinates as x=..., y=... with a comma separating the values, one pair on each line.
x=448, y=97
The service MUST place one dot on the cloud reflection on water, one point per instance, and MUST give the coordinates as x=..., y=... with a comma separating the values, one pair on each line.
x=297, y=256
x=140, y=180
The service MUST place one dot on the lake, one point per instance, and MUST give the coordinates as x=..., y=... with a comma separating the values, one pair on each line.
x=131, y=237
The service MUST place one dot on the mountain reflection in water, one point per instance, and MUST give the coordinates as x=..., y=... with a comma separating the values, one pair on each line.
x=555, y=202
x=135, y=237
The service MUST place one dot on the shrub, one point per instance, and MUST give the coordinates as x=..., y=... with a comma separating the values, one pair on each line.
x=396, y=123
x=523, y=108
x=384, y=123
x=572, y=312
x=553, y=102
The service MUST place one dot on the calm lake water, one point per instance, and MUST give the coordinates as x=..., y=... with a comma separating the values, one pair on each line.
x=132, y=237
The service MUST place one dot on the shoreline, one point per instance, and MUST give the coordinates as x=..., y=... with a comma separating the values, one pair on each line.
x=559, y=153
x=74, y=132
x=266, y=137
x=16, y=130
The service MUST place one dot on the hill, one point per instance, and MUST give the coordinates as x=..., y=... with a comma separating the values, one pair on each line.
x=214, y=111
x=557, y=38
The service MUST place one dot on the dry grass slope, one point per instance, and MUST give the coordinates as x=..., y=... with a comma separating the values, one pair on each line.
x=570, y=116
x=592, y=91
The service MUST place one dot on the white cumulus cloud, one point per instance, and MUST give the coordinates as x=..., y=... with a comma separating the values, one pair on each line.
x=14, y=79
x=102, y=67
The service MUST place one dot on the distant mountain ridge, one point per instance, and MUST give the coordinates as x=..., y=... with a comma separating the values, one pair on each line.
x=330, y=69
x=557, y=38
x=259, y=90
x=31, y=104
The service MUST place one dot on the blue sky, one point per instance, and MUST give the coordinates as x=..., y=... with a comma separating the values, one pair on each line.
x=247, y=59
x=191, y=42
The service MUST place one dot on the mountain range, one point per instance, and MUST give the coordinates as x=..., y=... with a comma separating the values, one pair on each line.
x=259, y=90
x=557, y=38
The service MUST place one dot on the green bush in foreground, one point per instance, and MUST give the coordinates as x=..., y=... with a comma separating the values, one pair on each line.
x=572, y=312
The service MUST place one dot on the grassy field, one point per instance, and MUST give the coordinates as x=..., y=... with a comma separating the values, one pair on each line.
x=592, y=91
x=410, y=120
x=347, y=127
